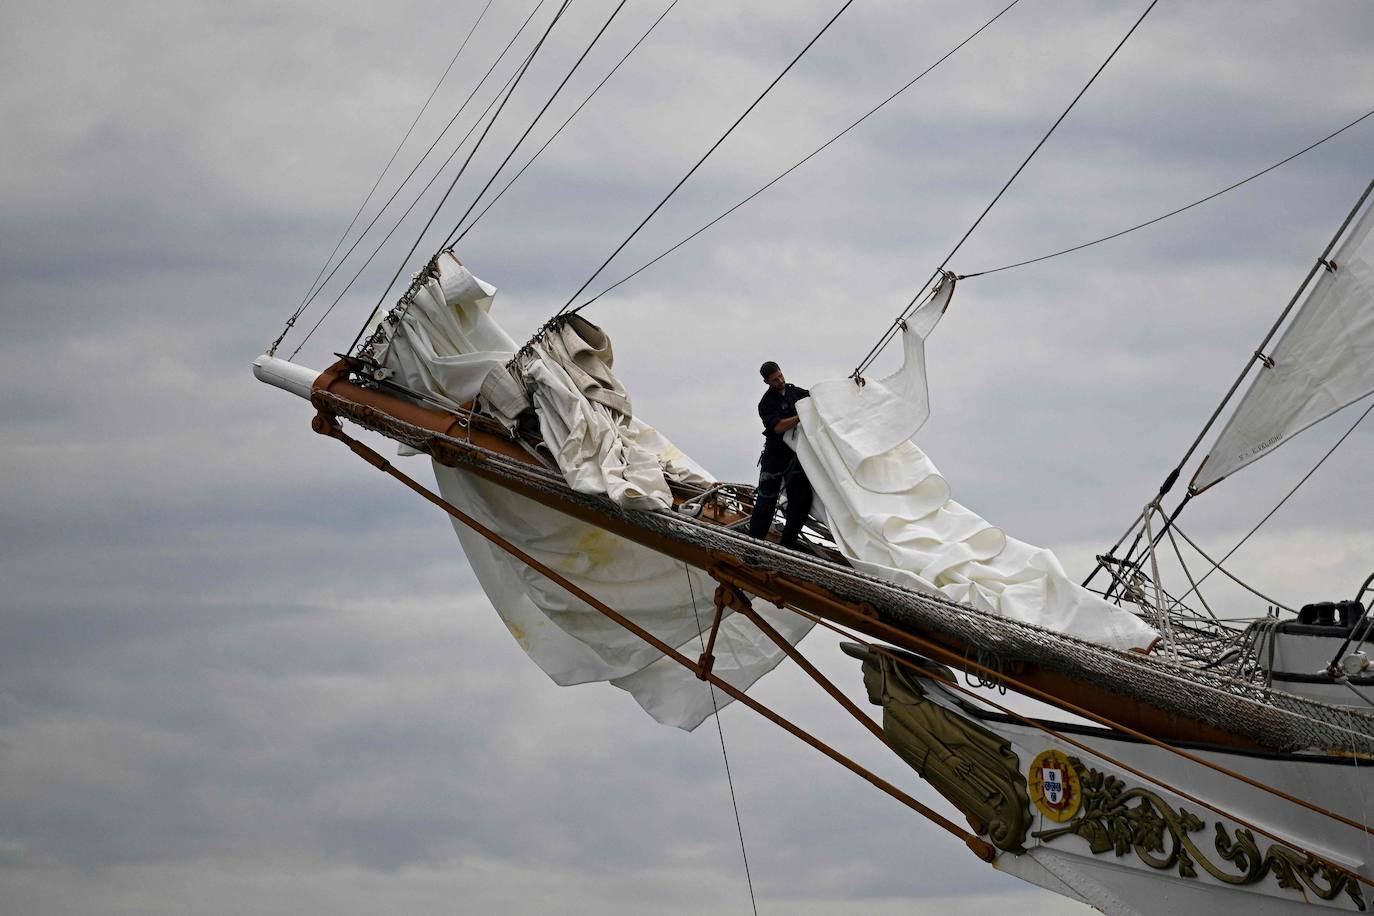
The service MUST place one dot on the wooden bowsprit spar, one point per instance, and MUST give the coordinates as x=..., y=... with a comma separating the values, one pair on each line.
x=1123, y=690
x=479, y=445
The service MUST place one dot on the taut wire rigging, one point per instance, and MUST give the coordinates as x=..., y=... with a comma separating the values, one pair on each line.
x=1216, y=564
x=720, y=729
x=802, y=161
x=311, y=290
x=454, y=183
x=1257, y=356
x=752, y=105
x=897, y=322
x=416, y=167
x=554, y=136
x=448, y=240
x=1164, y=216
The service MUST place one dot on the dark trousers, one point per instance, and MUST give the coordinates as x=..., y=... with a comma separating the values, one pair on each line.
x=771, y=484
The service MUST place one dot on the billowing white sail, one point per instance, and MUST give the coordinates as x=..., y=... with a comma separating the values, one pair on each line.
x=1323, y=361
x=891, y=514
x=446, y=345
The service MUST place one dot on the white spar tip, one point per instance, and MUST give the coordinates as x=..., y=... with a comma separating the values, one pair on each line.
x=285, y=375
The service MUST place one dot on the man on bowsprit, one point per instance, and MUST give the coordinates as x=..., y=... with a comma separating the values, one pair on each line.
x=778, y=465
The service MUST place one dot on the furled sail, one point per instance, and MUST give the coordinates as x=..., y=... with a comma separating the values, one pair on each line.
x=891, y=514
x=1323, y=361
x=445, y=344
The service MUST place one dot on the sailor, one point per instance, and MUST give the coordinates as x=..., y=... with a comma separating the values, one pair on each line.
x=778, y=465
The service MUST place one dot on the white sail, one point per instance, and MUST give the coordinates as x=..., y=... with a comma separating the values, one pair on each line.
x=1323, y=362
x=446, y=345
x=890, y=511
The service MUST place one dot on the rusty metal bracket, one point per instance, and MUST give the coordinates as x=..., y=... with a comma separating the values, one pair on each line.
x=728, y=595
x=708, y=658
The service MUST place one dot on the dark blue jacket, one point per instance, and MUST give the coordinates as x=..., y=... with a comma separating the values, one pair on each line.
x=775, y=406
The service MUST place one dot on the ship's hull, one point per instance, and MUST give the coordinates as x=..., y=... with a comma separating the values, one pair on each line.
x=1102, y=815
x=1124, y=825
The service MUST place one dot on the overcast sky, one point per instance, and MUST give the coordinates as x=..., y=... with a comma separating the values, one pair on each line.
x=240, y=671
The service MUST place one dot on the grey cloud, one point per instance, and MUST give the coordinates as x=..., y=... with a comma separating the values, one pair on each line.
x=239, y=671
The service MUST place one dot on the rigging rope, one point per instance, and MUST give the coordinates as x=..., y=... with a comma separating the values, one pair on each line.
x=1151, y=222
x=800, y=162
x=1217, y=567
x=1257, y=356
x=1216, y=564
x=311, y=290
x=448, y=239
x=415, y=168
x=478, y=218
x=692, y=170
x=729, y=780
x=404, y=213
x=524, y=68
x=1187, y=573
x=896, y=324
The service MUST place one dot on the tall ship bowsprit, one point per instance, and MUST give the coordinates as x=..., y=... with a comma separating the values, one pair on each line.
x=1225, y=763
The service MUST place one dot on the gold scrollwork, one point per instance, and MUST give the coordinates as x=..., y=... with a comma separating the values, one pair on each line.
x=1160, y=836
x=971, y=766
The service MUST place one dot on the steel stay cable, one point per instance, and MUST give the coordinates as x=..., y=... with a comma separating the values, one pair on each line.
x=499, y=194
x=448, y=239
x=1255, y=357
x=310, y=290
x=438, y=173
x=800, y=162
x=1216, y=564
x=1111, y=550
x=892, y=330
x=729, y=779
x=462, y=169
x=977, y=844
x=1001, y=676
x=401, y=219
x=1196, y=203
x=707, y=155
x=415, y=168
x=1101, y=755
x=1173, y=542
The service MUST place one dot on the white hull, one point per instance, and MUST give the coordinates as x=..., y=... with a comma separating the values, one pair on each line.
x=1119, y=880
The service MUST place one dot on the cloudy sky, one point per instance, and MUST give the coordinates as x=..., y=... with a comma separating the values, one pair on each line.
x=242, y=672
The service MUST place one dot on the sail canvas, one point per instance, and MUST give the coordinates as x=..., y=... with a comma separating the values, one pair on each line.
x=1324, y=361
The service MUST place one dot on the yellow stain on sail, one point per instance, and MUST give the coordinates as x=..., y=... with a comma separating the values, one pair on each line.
x=519, y=633
x=595, y=547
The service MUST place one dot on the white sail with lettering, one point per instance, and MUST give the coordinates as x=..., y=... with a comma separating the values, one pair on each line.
x=1324, y=361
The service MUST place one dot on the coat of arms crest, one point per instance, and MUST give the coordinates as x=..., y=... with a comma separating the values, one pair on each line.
x=1054, y=786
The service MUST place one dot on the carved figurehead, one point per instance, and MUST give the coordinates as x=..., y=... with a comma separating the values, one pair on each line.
x=976, y=770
